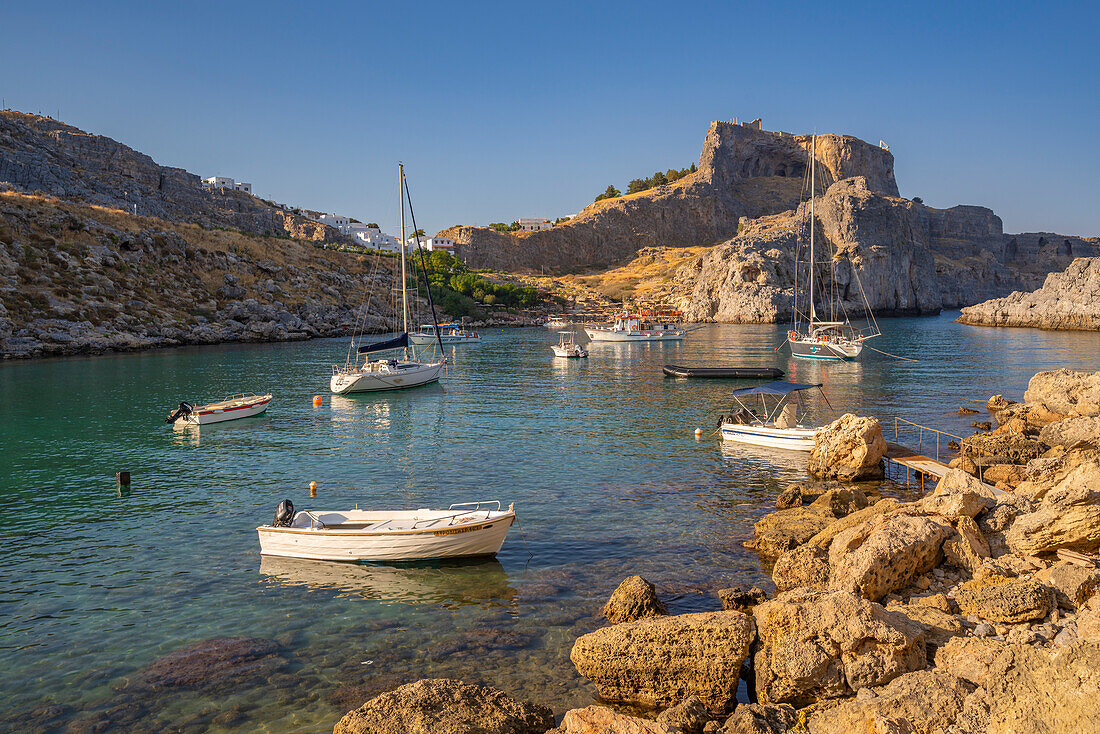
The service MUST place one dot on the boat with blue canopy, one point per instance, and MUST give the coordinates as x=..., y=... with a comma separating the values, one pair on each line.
x=777, y=422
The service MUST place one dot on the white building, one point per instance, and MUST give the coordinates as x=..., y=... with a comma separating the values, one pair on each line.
x=223, y=182
x=335, y=220
x=379, y=240
x=534, y=225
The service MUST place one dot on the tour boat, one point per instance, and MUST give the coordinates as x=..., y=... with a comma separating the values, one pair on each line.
x=829, y=340
x=448, y=334
x=242, y=405
x=776, y=425
x=566, y=347
x=405, y=370
x=628, y=327
x=462, y=530
x=556, y=322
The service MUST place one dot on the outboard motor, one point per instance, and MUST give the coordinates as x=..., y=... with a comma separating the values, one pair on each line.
x=185, y=409
x=284, y=514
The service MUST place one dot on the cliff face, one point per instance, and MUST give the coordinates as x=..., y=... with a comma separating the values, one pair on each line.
x=41, y=154
x=1067, y=300
x=743, y=172
x=887, y=247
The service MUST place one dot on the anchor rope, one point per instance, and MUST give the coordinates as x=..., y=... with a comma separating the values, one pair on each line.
x=895, y=356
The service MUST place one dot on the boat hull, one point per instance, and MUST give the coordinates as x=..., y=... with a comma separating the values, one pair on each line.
x=203, y=418
x=429, y=339
x=343, y=383
x=610, y=335
x=741, y=373
x=805, y=349
x=792, y=439
x=464, y=541
x=569, y=353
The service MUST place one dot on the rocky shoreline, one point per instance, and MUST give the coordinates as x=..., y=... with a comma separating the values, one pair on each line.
x=973, y=610
x=1068, y=300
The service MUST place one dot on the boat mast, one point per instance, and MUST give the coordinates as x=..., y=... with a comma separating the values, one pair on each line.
x=813, y=160
x=404, y=284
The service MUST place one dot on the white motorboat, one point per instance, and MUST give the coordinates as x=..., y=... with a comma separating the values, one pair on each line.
x=556, y=322
x=395, y=373
x=776, y=424
x=829, y=340
x=567, y=348
x=629, y=327
x=242, y=405
x=462, y=530
x=447, y=334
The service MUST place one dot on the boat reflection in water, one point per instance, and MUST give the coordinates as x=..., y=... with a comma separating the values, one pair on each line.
x=751, y=459
x=448, y=584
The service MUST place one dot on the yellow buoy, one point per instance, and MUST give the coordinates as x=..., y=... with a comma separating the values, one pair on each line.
x=698, y=431
x=317, y=401
x=313, y=489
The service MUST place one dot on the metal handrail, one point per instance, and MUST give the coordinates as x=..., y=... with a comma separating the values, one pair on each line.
x=451, y=517
x=920, y=439
x=477, y=505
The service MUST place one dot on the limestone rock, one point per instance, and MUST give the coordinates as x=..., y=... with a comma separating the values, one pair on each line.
x=1067, y=300
x=817, y=645
x=660, y=661
x=761, y=718
x=635, y=598
x=741, y=598
x=1007, y=448
x=444, y=706
x=885, y=554
x=1001, y=599
x=1067, y=392
x=824, y=538
x=849, y=448
x=1078, y=429
x=1088, y=622
x=969, y=658
x=1046, y=692
x=806, y=565
x=1068, y=517
x=689, y=716
x=920, y=702
x=1073, y=585
x=958, y=494
x=967, y=547
x=939, y=626
x=602, y=720
x=779, y=531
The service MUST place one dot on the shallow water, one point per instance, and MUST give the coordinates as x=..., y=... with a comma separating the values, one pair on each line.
x=597, y=454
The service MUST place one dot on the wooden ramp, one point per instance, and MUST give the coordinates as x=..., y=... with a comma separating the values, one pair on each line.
x=921, y=465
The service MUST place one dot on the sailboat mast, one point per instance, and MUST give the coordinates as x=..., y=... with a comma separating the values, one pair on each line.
x=404, y=282
x=813, y=161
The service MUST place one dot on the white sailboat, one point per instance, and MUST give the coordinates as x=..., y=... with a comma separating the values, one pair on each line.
x=398, y=372
x=828, y=340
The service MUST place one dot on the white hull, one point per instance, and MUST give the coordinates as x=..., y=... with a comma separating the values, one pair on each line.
x=814, y=349
x=430, y=339
x=794, y=439
x=612, y=335
x=379, y=376
x=418, y=536
x=232, y=410
x=568, y=352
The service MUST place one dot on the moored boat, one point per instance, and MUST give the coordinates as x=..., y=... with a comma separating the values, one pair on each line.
x=737, y=373
x=776, y=424
x=447, y=334
x=241, y=405
x=462, y=530
x=567, y=348
x=629, y=327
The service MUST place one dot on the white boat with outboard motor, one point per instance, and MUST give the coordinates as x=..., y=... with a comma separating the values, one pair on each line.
x=241, y=405
x=447, y=334
x=462, y=530
x=567, y=348
x=776, y=424
x=629, y=327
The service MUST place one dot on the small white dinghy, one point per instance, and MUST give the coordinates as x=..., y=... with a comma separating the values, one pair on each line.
x=568, y=348
x=242, y=405
x=462, y=530
x=776, y=424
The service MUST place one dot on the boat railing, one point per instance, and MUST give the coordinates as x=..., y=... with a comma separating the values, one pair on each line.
x=476, y=505
x=238, y=395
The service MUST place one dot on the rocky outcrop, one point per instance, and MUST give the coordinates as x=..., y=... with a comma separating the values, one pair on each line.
x=1045, y=691
x=1065, y=392
x=761, y=718
x=920, y=702
x=819, y=645
x=1004, y=600
x=602, y=720
x=39, y=154
x=1068, y=516
x=443, y=706
x=743, y=172
x=848, y=449
x=660, y=661
x=1067, y=300
x=634, y=599
x=778, y=532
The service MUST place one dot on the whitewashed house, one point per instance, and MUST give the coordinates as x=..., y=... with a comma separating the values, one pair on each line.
x=534, y=224
x=335, y=220
x=224, y=182
x=377, y=239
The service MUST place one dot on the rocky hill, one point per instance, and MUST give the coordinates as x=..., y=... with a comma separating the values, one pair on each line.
x=44, y=155
x=77, y=278
x=1067, y=300
x=743, y=172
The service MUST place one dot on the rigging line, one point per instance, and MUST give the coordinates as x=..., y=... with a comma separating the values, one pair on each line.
x=424, y=270
x=895, y=356
x=866, y=303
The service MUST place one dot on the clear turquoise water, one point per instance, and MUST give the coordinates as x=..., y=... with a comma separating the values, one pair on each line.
x=598, y=455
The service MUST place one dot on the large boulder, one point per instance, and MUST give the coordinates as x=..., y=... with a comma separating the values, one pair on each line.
x=444, y=706
x=967, y=548
x=886, y=553
x=761, y=718
x=824, y=538
x=970, y=658
x=958, y=494
x=688, y=717
x=939, y=626
x=635, y=598
x=1079, y=429
x=1063, y=391
x=779, y=531
x=920, y=702
x=1001, y=448
x=806, y=565
x=815, y=645
x=1001, y=599
x=1043, y=691
x=1068, y=517
x=660, y=661
x=602, y=720
x=849, y=448
x=1073, y=585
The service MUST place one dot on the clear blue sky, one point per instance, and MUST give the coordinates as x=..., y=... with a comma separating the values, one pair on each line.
x=505, y=110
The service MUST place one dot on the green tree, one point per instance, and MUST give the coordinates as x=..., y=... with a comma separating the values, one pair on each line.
x=694, y=168
x=658, y=179
x=499, y=226
x=373, y=225
x=610, y=193
x=636, y=185
x=918, y=200
x=418, y=233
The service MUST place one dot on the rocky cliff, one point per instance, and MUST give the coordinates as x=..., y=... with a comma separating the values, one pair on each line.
x=891, y=249
x=42, y=154
x=78, y=279
x=743, y=172
x=1067, y=300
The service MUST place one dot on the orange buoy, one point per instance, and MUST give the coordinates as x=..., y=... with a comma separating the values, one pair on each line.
x=313, y=489
x=698, y=431
x=317, y=400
